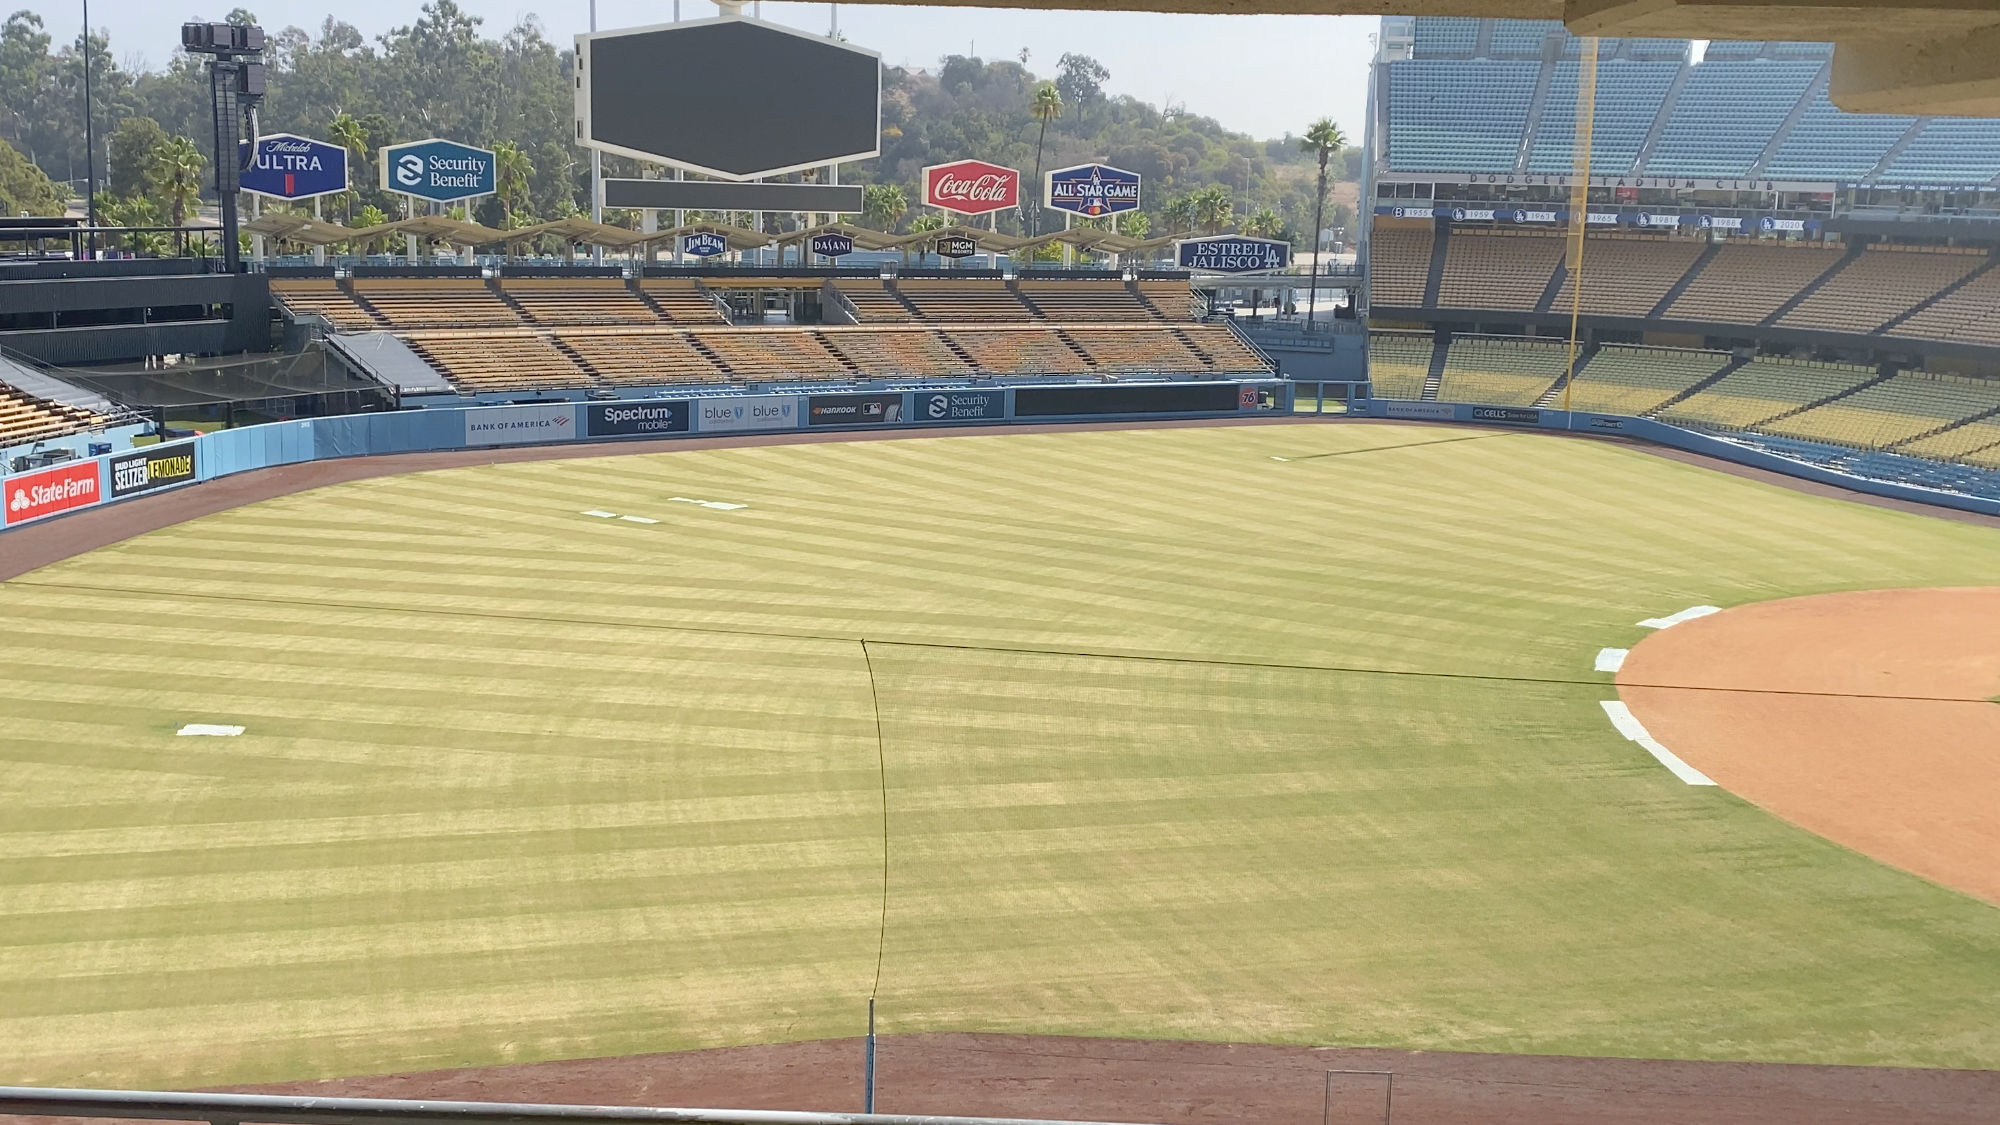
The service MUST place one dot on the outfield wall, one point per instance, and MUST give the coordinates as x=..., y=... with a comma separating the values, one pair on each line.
x=91, y=481
x=1659, y=433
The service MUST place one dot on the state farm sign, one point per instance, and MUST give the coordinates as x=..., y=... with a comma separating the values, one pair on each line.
x=971, y=187
x=31, y=496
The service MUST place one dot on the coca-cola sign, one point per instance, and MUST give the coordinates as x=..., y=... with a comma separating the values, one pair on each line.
x=971, y=187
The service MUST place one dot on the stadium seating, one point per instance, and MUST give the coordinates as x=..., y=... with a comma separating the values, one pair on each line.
x=1627, y=276
x=1501, y=372
x=1895, y=410
x=564, y=301
x=1746, y=282
x=1727, y=113
x=1447, y=115
x=682, y=300
x=1398, y=364
x=1521, y=39
x=1829, y=144
x=1629, y=97
x=1117, y=350
x=1969, y=314
x=771, y=354
x=1399, y=263
x=1949, y=150
x=1019, y=351
x=1436, y=37
x=444, y=302
x=1174, y=299
x=25, y=418
x=642, y=358
x=1621, y=379
x=1226, y=353
x=878, y=353
x=1762, y=389
x=1881, y=284
x=1066, y=301
x=873, y=303
x=1976, y=443
x=963, y=301
x=498, y=361
x=325, y=298
x=1498, y=270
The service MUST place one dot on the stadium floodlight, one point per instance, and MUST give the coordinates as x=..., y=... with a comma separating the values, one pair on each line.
x=236, y=83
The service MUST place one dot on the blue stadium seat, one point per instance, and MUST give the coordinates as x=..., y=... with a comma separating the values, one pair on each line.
x=1950, y=150
x=1442, y=37
x=1629, y=95
x=1829, y=144
x=1458, y=116
x=1521, y=39
x=1727, y=114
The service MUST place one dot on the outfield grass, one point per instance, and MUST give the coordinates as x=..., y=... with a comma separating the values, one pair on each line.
x=521, y=783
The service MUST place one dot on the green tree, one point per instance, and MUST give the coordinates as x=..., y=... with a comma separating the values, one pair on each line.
x=1080, y=80
x=1045, y=106
x=346, y=131
x=24, y=187
x=176, y=174
x=24, y=72
x=882, y=205
x=513, y=175
x=1178, y=214
x=1134, y=224
x=1264, y=224
x=132, y=145
x=1213, y=209
x=1323, y=138
x=928, y=222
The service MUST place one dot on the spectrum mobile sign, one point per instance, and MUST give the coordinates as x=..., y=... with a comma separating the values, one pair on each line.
x=438, y=170
x=1093, y=189
x=971, y=187
x=1231, y=253
x=285, y=166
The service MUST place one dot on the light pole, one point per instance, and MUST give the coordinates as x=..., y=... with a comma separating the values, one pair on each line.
x=89, y=144
x=235, y=85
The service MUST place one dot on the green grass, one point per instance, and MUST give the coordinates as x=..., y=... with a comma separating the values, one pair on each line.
x=522, y=784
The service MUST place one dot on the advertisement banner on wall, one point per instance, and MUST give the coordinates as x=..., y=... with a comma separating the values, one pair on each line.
x=438, y=170
x=960, y=406
x=287, y=166
x=1133, y=398
x=854, y=410
x=634, y=419
x=746, y=412
x=1512, y=415
x=520, y=425
x=144, y=470
x=1232, y=253
x=64, y=488
x=1417, y=411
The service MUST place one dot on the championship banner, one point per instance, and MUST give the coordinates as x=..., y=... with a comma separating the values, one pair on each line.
x=144, y=470
x=971, y=187
x=1092, y=190
x=64, y=488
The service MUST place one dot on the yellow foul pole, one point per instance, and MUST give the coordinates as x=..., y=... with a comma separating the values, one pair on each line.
x=1579, y=195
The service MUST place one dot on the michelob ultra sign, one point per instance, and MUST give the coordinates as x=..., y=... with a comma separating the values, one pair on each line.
x=285, y=166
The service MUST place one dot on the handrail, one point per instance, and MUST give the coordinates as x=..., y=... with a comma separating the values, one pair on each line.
x=275, y=1109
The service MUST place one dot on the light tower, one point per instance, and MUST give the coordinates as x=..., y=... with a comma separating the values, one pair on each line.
x=235, y=86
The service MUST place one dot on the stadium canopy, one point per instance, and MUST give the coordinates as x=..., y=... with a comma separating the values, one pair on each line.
x=577, y=229
x=864, y=239
x=300, y=229
x=1939, y=57
x=736, y=238
x=455, y=232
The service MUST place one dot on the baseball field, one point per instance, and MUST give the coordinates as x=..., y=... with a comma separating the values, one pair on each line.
x=1285, y=734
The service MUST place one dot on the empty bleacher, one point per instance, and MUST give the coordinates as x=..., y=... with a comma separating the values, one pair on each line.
x=1627, y=276
x=1629, y=97
x=1969, y=314
x=1019, y=351
x=682, y=300
x=1879, y=285
x=1497, y=270
x=567, y=301
x=873, y=304
x=498, y=361
x=1949, y=150
x=1892, y=411
x=323, y=297
x=1976, y=443
x=885, y=352
x=1174, y=299
x=1501, y=372
x=1831, y=144
x=1622, y=379
x=1746, y=282
x=772, y=353
x=1459, y=116
x=1066, y=301
x=1122, y=350
x=1727, y=113
x=1398, y=364
x=963, y=301
x=635, y=359
x=442, y=302
x=1763, y=389
x=1227, y=353
x=25, y=418
x=1399, y=263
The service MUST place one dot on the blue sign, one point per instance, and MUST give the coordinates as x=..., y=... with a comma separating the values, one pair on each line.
x=1093, y=189
x=702, y=244
x=1231, y=253
x=289, y=167
x=440, y=171
x=635, y=418
x=832, y=245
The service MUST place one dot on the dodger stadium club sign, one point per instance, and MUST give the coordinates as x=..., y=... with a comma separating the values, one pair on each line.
x=1232, y=254
x=971, y=187
x=1093, y=189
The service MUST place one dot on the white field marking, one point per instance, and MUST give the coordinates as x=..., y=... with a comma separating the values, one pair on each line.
x=1281, y=458
x=1688, y=614
x=637, y=519
x=718, y=505
x=602, y=515
x=1611, y=659
x=1629, y=725
x=214, y=730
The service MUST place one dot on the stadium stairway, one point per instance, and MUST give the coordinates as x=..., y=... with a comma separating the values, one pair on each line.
x=1992, y=260
x=1667, y=103
x=1896, y=150
x=1556, y=281
x=346, y=285
x=1784, y=130
x=1983, y=416
x=710, y=354
x=1021, y=295
x=1553, y=395
x=520, y=310
x=1734, y=365
x=568, y=349
x=1081, y=352
x=1883, y=374
x=908, y=305
x=1853, y=254
x=846, y=362
x=1674, y=294
x=1434, y=280
x=1145, y=302
x=1536, y=105
x=652, y=306
x=1188, y=342
x=1434, y=378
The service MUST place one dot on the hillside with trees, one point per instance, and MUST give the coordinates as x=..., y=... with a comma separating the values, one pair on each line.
x=440, y=75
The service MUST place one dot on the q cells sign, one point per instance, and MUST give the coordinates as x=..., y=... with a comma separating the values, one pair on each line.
x=438, y=170
x=1232, y=254
x=291, y=167
x=971, y=187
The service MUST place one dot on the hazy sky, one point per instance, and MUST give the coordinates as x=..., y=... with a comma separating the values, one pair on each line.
x=1264, y=75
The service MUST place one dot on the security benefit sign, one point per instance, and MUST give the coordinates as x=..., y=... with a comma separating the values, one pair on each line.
x=832, y=245
x=438, y=170
x=144, y=470
x=703, y=244
x=960, y=406
x=284, y=166
x=64, y=488
x=1232, y=253
x=854, y=410
x=520, y=425
x=1093, y=189
x=642, y=418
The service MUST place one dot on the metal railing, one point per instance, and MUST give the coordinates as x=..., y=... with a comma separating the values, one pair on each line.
x=272, y=1109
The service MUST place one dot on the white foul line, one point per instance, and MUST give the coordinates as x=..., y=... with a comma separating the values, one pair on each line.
x=1611, y=659
x=1688, y=614
x=213, y=730
x=602, y=515
x=718, y=505
x=637, y=519
x=1628, y=725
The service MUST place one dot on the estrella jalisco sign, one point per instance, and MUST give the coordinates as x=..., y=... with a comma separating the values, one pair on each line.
x=438, y=170
x=286, y=166
x=1092, y=190
x=1232, y=253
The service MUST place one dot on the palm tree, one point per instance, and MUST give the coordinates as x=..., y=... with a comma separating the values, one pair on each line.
x=348, y=134
x=882, y=205
x=1134, y=224
x=512, y=173
x=1213, y=209
x=1045, y=106
x=175, y=168
x=1178, y=214
x=1324, y=138
x=1264, y=224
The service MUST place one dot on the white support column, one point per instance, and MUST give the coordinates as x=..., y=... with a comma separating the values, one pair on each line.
x=319, y=251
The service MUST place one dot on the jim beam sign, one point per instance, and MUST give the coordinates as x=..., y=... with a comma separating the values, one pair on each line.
x=971, y=187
